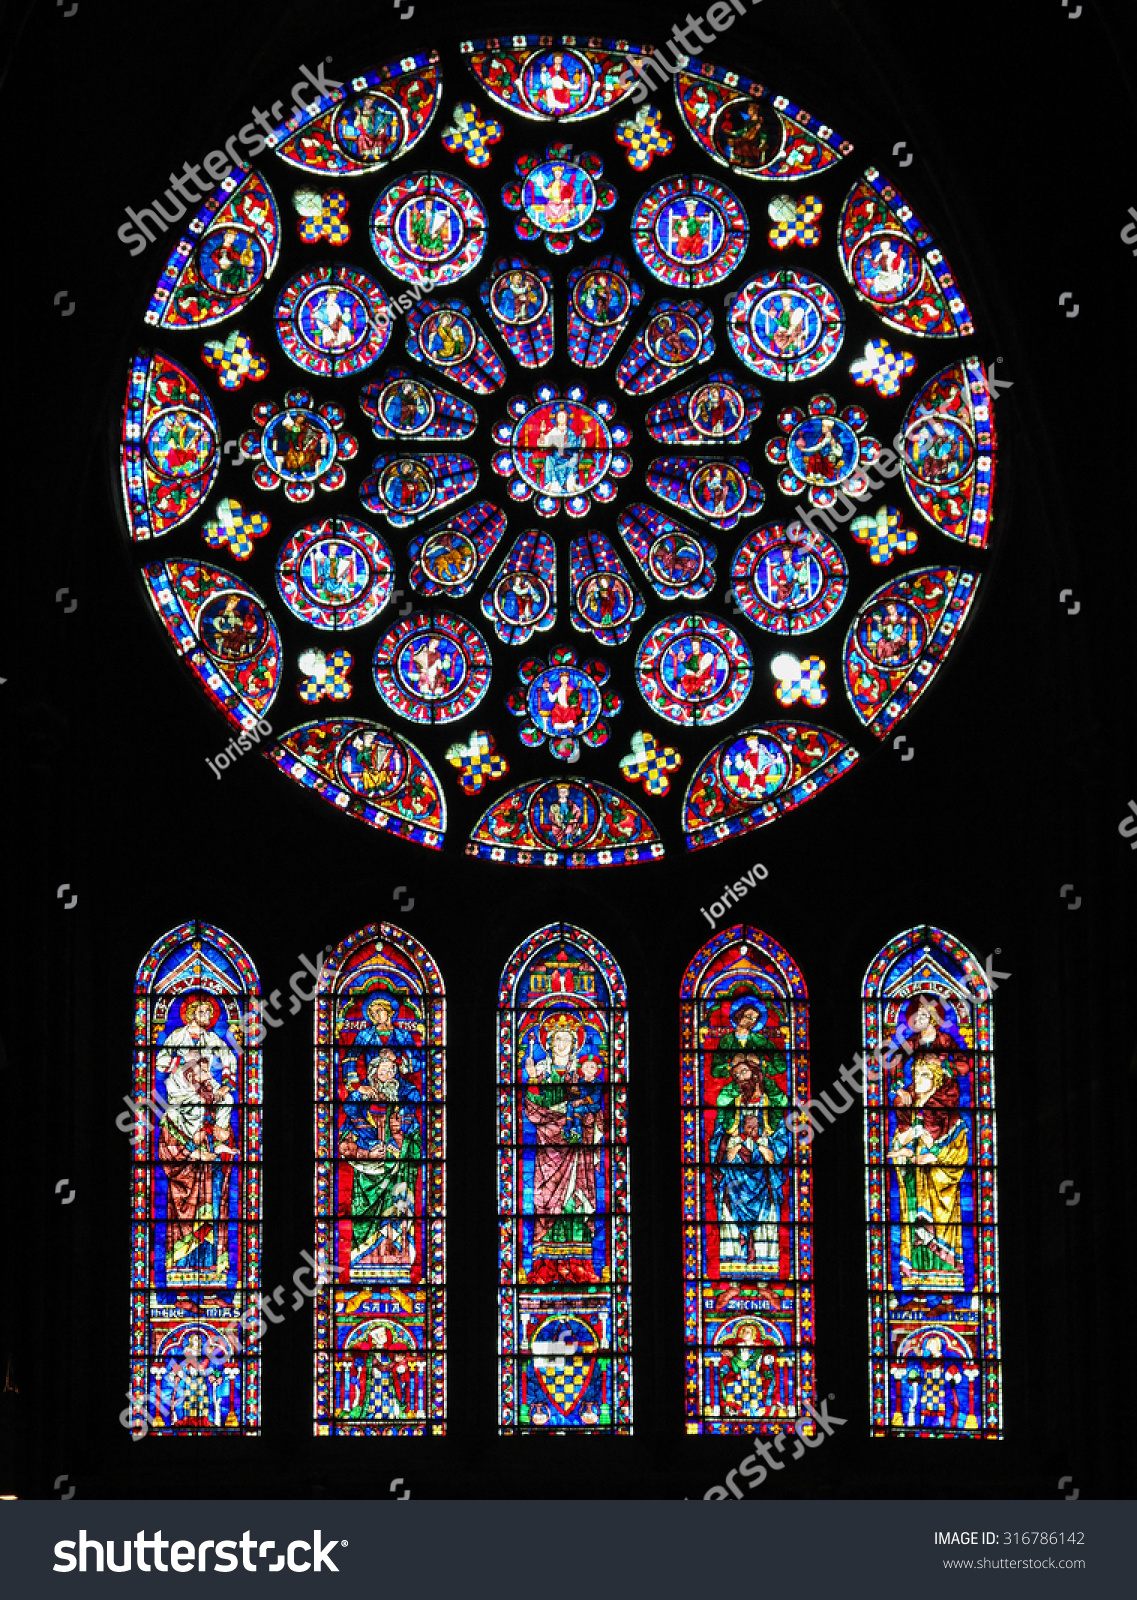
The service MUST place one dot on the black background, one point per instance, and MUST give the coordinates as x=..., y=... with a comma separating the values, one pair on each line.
x=1020, y=122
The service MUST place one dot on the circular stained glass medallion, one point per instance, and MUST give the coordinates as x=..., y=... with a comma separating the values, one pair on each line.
x=333, y=321
x=432, y=668
x=786, y=325
x=693, y=669
x=335, y=574
x=789, y=578
x=428, y=229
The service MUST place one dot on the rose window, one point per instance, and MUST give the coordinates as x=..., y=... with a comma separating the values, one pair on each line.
x=567, y=408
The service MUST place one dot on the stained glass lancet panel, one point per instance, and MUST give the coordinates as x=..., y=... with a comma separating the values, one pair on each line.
x=195, y=1272
x=747, y=1195
x=930, y=1191
x=380, y=1188
x=565, y=1285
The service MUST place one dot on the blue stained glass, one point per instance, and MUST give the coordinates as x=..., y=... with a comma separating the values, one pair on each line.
x=195, y=1276
x=519, y=301
x=605, y=603
x=930, y=1188
x=679, y=563
x=601, y=299
x=407, y=406
x=449, y=559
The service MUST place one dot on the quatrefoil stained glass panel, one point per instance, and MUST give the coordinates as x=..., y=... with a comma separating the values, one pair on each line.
x=567, y=393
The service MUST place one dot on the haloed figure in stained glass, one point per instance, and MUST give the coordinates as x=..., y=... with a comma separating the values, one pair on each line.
x=196, y=1078
x=930, y=1150
x=381, y=1136
x=565, y=1106
x=749, y=1145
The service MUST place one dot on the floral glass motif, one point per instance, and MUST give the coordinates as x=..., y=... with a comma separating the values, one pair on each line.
x=234, y=360
x=195, y=1320
x=406, y=406
x=788, y=579
x=564, y=1329
x=930, y=1192
x=716, y=410
x=563, y=703
x=821, y=451
x=643, y=137
x=758, y=775
x=601, y=299
x=333, y=321
x=428, y=228
x=327, y=675
x=799, y=679
x=335, y=574
x=560, y=197
x=380, y=1189
x=644, y=539
x=321, y=216
x=753, y=132
x=432, y=668
x=689, y=232
x=472, y=135
x=233, y=528
x=747, y=1190
x=693, y=670
x=786, y=325
x=562, y=451
x=366, y=123
x=300, y=446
